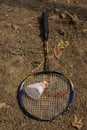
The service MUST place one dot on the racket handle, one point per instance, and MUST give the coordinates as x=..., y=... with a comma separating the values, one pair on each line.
x=45, y=25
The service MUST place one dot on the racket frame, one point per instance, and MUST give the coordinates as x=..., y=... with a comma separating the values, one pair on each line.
x=20, y=91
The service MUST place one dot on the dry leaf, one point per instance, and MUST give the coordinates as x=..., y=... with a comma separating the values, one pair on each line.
x=53, y=17
x=15, y=27
x=62, y=44
x=63, y=15
x=75, y=19
x=68, y=1
x=4, y=105
x=57, y=53
x=58, y=49
x=77, y=122
x=8, y=24
x=84, y=30
x=30, y=25
x=61, y=31
x=53, y=0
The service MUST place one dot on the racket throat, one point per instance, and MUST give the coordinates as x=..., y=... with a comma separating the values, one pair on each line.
x=46, y=64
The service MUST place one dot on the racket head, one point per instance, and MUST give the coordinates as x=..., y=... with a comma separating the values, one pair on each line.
x=55, y=100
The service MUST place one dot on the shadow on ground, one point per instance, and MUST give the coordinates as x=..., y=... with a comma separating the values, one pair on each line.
x=41, y=5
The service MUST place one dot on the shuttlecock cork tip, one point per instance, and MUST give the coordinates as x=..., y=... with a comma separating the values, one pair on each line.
x=45, y=83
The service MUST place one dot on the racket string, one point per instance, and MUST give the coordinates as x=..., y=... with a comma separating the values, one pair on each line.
x=53, y=100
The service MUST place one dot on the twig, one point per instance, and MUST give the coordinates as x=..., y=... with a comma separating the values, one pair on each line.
x=15, y=53
x=37, y=67
x=74, y=18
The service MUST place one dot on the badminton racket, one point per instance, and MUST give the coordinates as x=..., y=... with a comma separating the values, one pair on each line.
x=58, y=95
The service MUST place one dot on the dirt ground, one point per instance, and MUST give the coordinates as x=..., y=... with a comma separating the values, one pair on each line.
x=21, y=53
